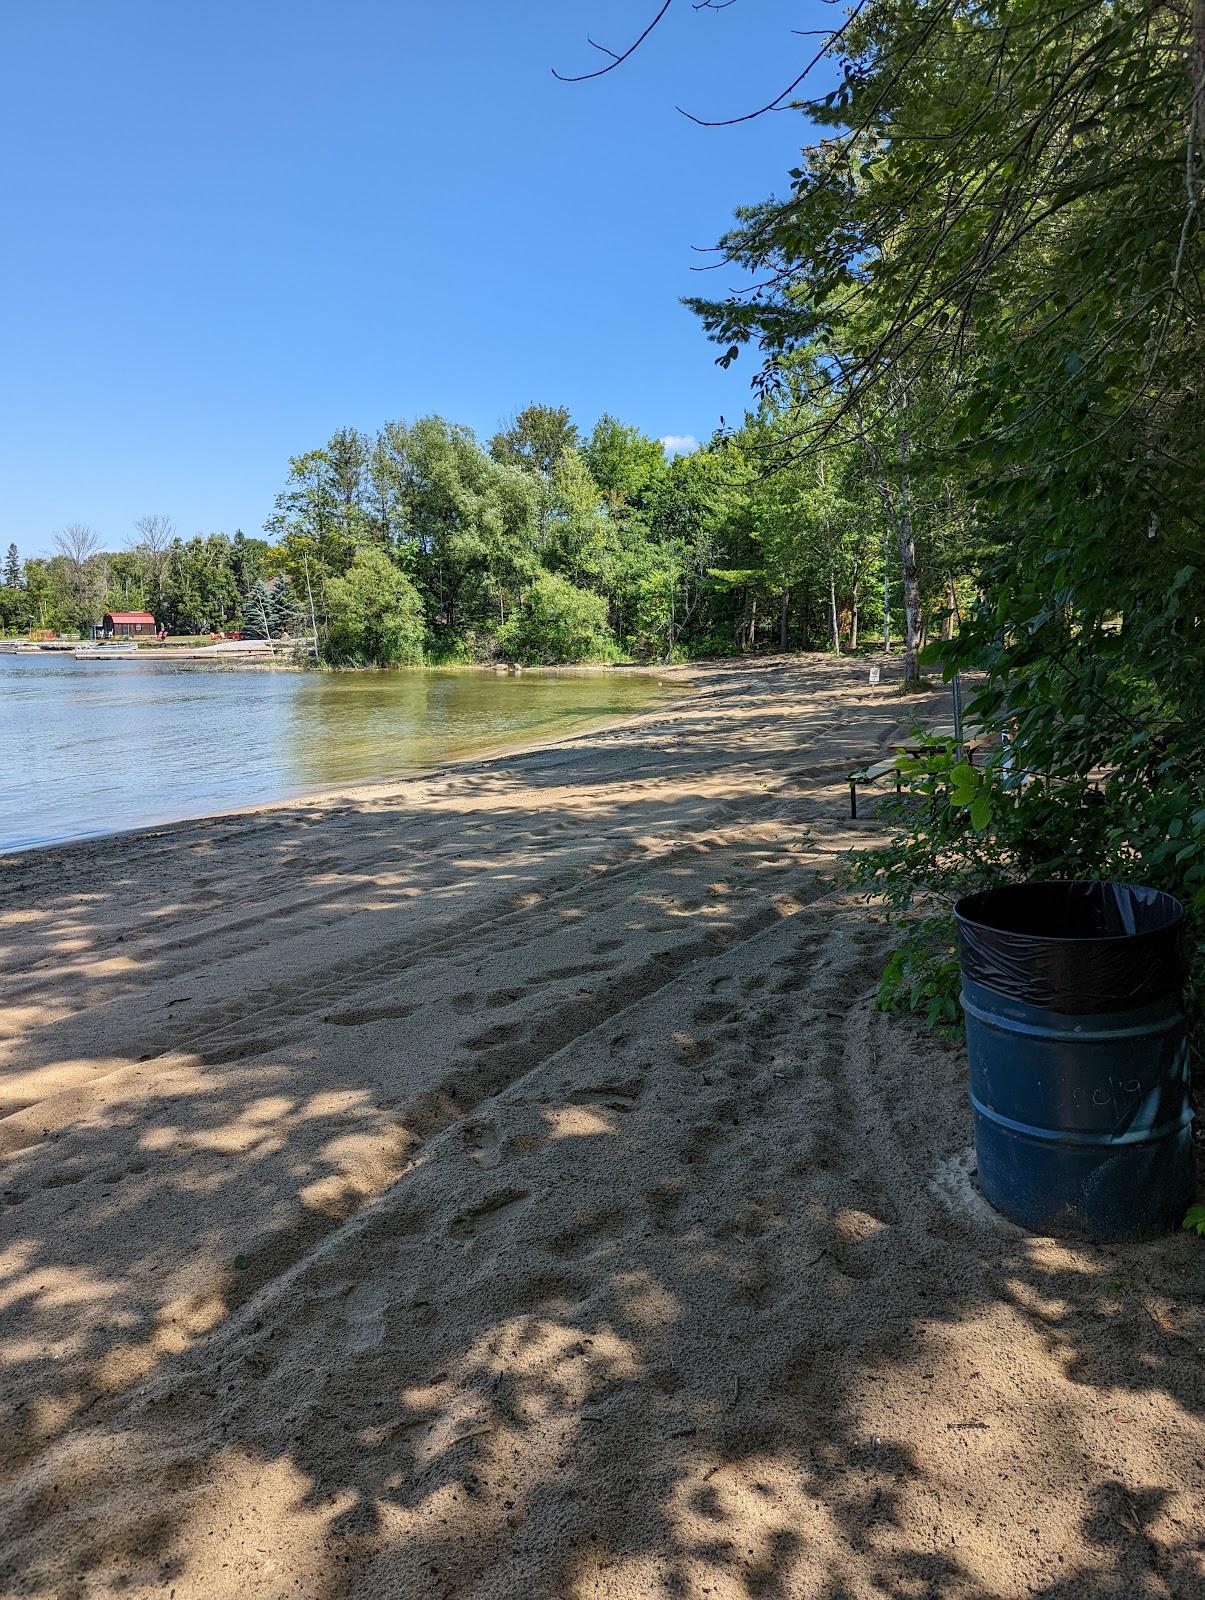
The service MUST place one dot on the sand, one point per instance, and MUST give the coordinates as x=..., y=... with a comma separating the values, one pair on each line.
x=501, y=1186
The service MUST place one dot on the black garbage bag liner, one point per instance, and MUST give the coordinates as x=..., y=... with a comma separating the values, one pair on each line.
x=1073, y=947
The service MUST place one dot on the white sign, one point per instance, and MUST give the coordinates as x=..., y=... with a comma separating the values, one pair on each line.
x=874, y=675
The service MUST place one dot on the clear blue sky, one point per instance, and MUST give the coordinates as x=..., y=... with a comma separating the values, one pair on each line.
x=233, y=226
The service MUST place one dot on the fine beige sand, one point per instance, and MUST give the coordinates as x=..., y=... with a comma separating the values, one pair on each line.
x=501, y=1186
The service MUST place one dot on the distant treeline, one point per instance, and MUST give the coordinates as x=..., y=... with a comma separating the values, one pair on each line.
x=417, y=543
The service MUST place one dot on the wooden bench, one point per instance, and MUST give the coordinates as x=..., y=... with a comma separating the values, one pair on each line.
x=879, y=769
x=870, y=775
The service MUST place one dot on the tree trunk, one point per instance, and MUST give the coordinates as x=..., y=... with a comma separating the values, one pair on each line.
x=832, y=611
x=887, y=593
x=911, y=585
x=784, y=617
x=853, y=622
x=947, y=626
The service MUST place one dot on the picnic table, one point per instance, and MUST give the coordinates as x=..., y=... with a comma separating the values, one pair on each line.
x=906, y=747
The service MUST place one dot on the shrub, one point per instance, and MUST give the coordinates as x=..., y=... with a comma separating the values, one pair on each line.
x=558, y=622
x=376, y=615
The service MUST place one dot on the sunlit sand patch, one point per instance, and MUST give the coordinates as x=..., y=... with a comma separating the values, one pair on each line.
x=578, y=1122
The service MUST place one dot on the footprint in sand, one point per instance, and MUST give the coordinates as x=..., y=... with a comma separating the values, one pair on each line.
x=59, y=1180
x=616, y=1095
x=713, y=1011
x=504, y=997
x=235, y=1051
x=482, y=1144
x=365, y=1312
x=489, y=1215
x=504, y=1033
x=664, y=1201
x=589, y=1234
x=365, y=1014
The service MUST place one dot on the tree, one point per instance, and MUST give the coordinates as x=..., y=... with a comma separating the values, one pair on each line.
x=622, y=461
x=247, y=559
x=467, y=522
x=535, y=439
x=577, y=526
x=258, y=616
x=376, y=615
x=272, y=610
x=200, y=592
x=319, y=513
x=152, y=546
x=12, y=568
x=83, y=574
x=126, y=585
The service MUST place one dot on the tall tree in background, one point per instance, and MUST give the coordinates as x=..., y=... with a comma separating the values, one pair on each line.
x=535, y=439
x=623, y=462
x=152, y=545
x=85, y=575
x=12, y=568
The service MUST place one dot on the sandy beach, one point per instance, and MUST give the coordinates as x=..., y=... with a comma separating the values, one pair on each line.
x=500, y=1185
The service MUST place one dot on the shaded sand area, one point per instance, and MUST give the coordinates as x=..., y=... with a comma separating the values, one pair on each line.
x=500, y=1186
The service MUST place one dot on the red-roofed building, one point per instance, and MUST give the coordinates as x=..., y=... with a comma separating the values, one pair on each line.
x=128, y=625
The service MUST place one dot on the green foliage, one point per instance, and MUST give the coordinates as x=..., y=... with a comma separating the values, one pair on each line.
x=200, y=593
x=1194, y=1220
x=557, y=622
x=376, y=615
x=258, y=619
x=476, y=532
x=535, y=440
x=622, y=461
x=922, y=974
x=989, y=276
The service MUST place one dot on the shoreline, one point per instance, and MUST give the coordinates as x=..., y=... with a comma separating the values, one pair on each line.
x=506, y=1178
x=357, y=787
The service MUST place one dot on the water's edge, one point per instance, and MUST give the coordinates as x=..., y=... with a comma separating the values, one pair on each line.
x=676, y=689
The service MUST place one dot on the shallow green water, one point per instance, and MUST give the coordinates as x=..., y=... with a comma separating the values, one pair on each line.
x=88, y=749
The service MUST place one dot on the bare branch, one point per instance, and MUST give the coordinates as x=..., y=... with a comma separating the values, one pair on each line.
x=77, y=543
x=776, y=103
x=616, y=60
x=154, y=533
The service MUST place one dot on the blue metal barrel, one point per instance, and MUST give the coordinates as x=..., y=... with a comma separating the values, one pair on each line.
x=1078, y=1055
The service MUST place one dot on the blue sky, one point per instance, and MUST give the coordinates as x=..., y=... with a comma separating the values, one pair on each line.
x=232, y=227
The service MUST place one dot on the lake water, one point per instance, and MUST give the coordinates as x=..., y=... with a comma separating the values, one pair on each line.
x=88, y=749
